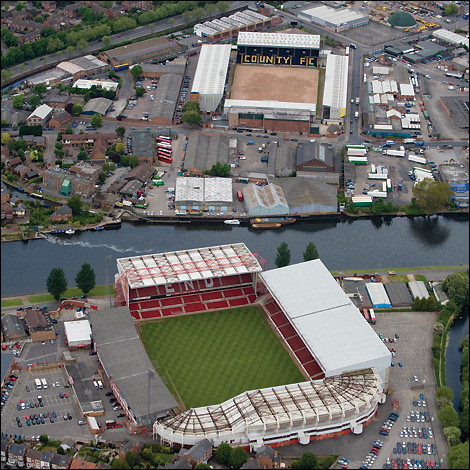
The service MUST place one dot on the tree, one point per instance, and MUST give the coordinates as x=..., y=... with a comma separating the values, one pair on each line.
x=130, y=459
x=452, y=435
x=456, y=287
x=82, y=45
x=77, y=109
x=451, y=9
x=191, y=117
x=120, y=147
x=458, y=456
x=120, y=131
x=5, y=138
x=430, y=304
x=106, y=40
x=18, y=101
x=34, y=101
x=76, y=204
x=39, y=89
x=431, y=195
x=139, y=91
x=119, y=464
x=56, y=283
x=238, y=457
x=136, y=71
x=311, y=252
x=43, y=438
x=444, y=393
x=191, y=105
x=223, y=453
x=96, y=120
x=283, y=255
x=70, y=50
x=219, y=169
x=308, y=461
x=448, y=416
x=86, y=278
x=60, y=450
x=222, y=6
x=202, y=466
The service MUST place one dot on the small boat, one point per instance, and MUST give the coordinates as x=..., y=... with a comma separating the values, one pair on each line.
x=69, y=231
x=232, y=222
x=99, y=227
x=271, y=222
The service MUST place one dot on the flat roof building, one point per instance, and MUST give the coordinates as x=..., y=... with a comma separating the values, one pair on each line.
x=450, y=37
x=377, y=294
x=205, y=150
x=104, y=84
x=210, y=77
x=165, y=99
x=339, y=19
x=457, y=108
x=97, y=106
x=78, y=334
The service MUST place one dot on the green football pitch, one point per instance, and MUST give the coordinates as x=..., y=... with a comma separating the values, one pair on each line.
x=210, y=357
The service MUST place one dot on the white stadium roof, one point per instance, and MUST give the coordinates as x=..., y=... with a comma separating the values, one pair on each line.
x=334, y=330
x=187, y=265
x=251, y=38
x=270, y=104
x=211, y=69
x=264, y=413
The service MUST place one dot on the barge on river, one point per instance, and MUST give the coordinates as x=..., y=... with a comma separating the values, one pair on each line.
x=271, y=222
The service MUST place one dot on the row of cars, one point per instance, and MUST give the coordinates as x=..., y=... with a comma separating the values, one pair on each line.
x=415, y=448
x=387, y=426
x=182, y=99
x=372, y=455
x=417, y=432
x=410, y=463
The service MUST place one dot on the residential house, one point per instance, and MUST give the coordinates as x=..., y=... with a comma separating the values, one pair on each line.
x=60, y=120
x=31, y=174
x=267, y=457
x=13, y=162
x=38, y=140
x=71, y=10
x=114, y=11
x=19, y=211
x=55, y=23
x=21, y=170
x=38, y=326
x=49, y=5
x=46, y=459
x=200, y=452
x=26, y=25
x=140, y=5
x=28, y=37
x=16, y=454
x=61, y=461
x=79, y=464
x=5, y=198
x=57, y=99
x=129, y=446
x=33, y=458
x=63, y=213
x=5, y=442
x=40, y=116
x=251, y=464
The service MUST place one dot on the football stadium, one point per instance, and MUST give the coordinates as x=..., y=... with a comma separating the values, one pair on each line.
x=288, y=63
x=279, y=356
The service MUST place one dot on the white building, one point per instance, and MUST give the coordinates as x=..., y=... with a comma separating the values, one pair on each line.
x=450, y=37
x=211, y=72
x=105, y=84
x=337, y=18
x=267, y=200
x=418, y=289
x=336, y=85
x=377, y=294
x=78, y=334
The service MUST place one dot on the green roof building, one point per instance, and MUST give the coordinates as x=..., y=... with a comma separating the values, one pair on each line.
x=65, y=188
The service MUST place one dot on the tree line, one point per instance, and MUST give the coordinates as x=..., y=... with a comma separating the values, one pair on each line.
x=57, y=281
x=283, y=255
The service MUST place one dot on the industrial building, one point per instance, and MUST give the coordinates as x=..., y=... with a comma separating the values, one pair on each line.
x=97, y=106
x=377, y=294
x=205, y=150
x=132, y=378
x=77, y=334
x=165, y=99
x=457, y=108
x=210, y=77
x=83, y=67
x=398, y=294
x=450, y=37
x=339, y=19
x=229, y=26
x=104, y=84
x=50, y=78
x=418, y=289
x=306, y=307
x=336, y=89
x=203, y=194
x=153, y=71
x=267, y=200
x=148, y=49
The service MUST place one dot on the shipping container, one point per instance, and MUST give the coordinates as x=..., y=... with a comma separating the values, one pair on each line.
x=358, y=152
x=389, y=184
x=377, y=176
x=384, y=186
x=372, y=169
x=416, y=159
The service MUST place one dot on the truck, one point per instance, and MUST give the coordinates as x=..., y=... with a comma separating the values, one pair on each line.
x=356, y=115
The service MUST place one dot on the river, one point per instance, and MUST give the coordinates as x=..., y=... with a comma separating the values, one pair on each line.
x=347, y=244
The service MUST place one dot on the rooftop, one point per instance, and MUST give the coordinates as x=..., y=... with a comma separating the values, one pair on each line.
x=187, y=265
x=77, y=331
x=41, y=112
x=278, y=40
x=333, y=15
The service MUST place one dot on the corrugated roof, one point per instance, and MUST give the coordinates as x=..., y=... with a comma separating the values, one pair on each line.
x=41, y=111
x=336, y=81
x=251, y=38
x=331, y=326
x=418, y=289
x=377, y=294
x=334, y=15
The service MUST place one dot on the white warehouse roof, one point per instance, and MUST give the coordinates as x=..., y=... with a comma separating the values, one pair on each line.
x=418, y=289
x=105, y=84
x=251, y=38
x=41, y=112
x=336, y=82
x=338, y=336
x=204, y=189
x=450, y=36
x=78, y=332
x=332, y=15
x=406, y=89
x=211, y=69
x=378, y=295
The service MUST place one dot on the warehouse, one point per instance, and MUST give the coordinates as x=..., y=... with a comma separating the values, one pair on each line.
x=398, y=294
x=338, y=19
x=418, y=289
x=267, y=200
x=97, y=106
x=204, y=194
x=104, y=84
x=210, y=77
x=312, y=157
x=149, y=49
x=205, y=150
x=377, y=294
x=139, y=389
x=143, y=146
x=157, y=70
x=78, y=334
x=50, y=78
x=83, y=67
x=450, y=37
x=165, y=99
x=336, y=89
x=457, y=108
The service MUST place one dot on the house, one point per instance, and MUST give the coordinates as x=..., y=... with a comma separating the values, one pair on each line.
x=114, y=11
x=13, y=162
x=143, y=173
x=38, y=326
x=267, y=457
x=31, y=174
x=29, y=37
x=60, y=120
x=59, y=461
x=40, y=116
x=16, y=454
x=12, y=327
x=49, y=5
x=19, y=210
x=63, y=213
x=129, y=446
x=7, y=212
x=57, y=99
x=251, y=464
x=79, y=464
x=5, y=442
x=38, y=140
x=5, y=197
x=33, y=458
x=21, y=170
x=200, y=452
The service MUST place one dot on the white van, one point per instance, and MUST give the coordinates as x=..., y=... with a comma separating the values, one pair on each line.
x=100, y=384
x=95, y=383
x=38, y=383
x=44, y=383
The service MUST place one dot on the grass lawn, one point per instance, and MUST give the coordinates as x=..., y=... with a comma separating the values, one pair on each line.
x=210, y=357
x=73, y=292
x=11, y=302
